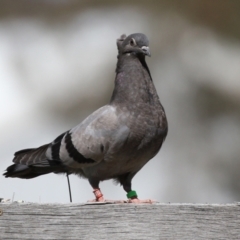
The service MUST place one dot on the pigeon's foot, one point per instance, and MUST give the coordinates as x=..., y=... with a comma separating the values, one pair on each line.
x=100, y=199
x=107, y=201
x=99, y=196
x=136, y=200
x=133, y=199
x=96, y=201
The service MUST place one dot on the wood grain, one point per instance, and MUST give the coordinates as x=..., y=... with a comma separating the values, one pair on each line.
x=119, y=221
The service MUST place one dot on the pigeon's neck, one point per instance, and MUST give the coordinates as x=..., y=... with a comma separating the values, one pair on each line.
x=133, y=82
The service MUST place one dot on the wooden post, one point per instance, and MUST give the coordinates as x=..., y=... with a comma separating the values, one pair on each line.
x=119, y=221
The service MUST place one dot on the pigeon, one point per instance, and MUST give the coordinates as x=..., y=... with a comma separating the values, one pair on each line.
x=115, y=141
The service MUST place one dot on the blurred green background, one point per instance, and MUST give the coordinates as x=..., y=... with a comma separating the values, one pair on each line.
x=57, y=63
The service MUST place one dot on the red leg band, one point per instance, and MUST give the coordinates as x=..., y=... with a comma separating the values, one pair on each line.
x=97, y=193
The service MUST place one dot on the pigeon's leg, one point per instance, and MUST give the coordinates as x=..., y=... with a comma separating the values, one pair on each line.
x=98, y=194
x=126, y=181
x=96, y=190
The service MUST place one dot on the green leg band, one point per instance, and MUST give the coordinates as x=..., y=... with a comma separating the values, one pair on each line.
x=132, y=194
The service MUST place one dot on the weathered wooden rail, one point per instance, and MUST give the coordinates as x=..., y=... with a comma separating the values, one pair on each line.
x=119, y=221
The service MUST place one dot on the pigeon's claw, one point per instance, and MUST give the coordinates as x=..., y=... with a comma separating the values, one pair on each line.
x=136, y=200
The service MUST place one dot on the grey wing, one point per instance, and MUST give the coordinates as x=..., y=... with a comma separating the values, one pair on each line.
x=94, y=139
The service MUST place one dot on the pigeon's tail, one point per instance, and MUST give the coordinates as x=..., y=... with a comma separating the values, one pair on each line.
x=31, y=163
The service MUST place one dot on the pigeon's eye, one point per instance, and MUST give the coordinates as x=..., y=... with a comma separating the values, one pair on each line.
x=132, y=42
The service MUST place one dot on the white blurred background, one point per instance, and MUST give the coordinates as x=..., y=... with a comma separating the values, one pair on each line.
x=57, y=63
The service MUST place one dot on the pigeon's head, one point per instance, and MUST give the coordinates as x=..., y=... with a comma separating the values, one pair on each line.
x=136, y=43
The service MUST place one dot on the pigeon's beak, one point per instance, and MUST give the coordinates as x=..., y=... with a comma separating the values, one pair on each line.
x=146, y=51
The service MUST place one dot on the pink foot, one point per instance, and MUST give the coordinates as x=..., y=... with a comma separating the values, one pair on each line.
x=100, y=199
x=99, y=196
x=137, y=201
x=97, y=200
